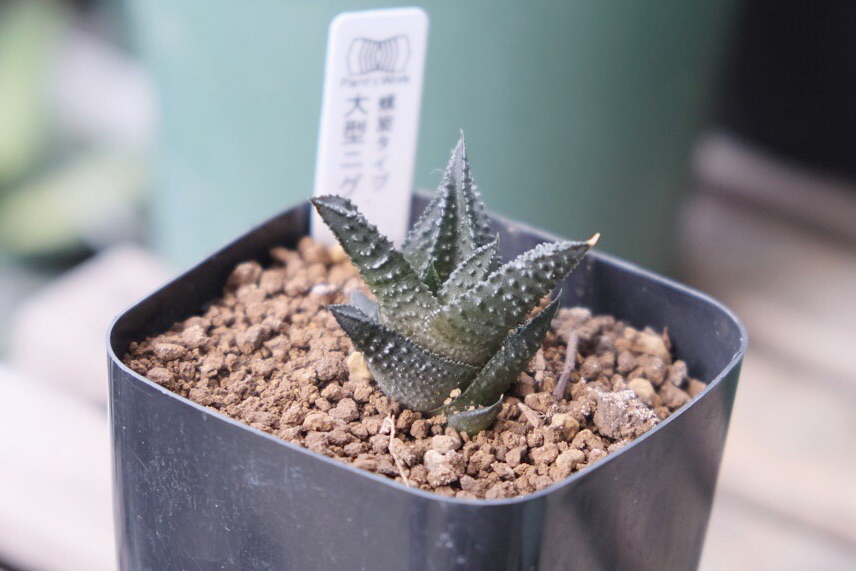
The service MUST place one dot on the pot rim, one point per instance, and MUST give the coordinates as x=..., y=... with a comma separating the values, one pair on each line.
x=513, y=227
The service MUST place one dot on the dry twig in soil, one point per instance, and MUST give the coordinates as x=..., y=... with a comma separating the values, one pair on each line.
x=570, y=363
x=530, y=415
x=389, y=426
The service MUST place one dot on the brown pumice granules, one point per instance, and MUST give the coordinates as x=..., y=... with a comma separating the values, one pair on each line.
x=268, y=353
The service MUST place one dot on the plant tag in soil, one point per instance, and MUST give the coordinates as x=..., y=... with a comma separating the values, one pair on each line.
x=370, y=115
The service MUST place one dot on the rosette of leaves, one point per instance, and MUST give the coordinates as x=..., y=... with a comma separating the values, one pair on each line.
x=451, y=328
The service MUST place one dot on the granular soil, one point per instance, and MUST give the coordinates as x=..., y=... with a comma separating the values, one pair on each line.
x=267, y=353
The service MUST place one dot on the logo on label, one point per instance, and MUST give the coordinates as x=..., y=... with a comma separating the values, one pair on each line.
x=389, y=55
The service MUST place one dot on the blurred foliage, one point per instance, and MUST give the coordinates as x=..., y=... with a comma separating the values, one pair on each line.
x=29, y=33
x=62, y=192
x=75, y=205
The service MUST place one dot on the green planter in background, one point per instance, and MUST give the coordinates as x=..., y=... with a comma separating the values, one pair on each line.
x=580, y=115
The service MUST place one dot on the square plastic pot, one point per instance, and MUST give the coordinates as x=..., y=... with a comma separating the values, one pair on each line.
x=195, y=489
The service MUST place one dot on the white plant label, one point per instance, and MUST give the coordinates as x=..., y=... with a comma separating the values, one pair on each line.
x=370, y=115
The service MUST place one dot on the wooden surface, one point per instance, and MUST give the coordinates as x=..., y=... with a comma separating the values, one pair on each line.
x=55, y=503
x=787, y=489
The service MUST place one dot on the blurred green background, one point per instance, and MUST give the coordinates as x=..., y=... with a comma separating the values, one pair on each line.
x=75, y=123
x=579, y=115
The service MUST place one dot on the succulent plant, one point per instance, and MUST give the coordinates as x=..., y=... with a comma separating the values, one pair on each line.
x=449, y=332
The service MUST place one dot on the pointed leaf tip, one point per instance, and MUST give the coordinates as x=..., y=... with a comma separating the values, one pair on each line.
x=432, y=238
x=454, y=223
x=330, y=201
x=474, y=421
x=431, y=279
x=460, y=146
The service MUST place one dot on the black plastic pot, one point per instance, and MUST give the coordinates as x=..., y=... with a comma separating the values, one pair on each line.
x=197, y=490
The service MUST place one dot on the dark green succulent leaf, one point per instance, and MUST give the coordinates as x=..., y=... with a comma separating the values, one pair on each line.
x=432, y=239
x=505, y=365
x=496, y=262
x=473, y=270
x=419, y=243
x=404, y=370
x=454, y=223
x=431, y=279
x=474, y=229
x=480, y=317
x=474, y=421
x=404, y=302
x=443, y=253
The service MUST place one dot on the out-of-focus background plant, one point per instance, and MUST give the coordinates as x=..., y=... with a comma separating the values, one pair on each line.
x=77, y=117
x=712, y=141
x=76, y=124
